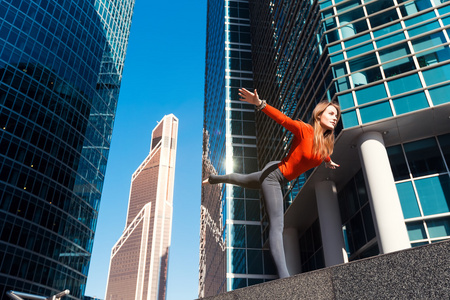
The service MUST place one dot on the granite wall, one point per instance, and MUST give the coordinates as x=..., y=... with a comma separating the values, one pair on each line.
x=417, y=273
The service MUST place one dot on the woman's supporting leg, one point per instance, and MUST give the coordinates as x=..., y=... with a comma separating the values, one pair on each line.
x=273, y=199
x=269, y=180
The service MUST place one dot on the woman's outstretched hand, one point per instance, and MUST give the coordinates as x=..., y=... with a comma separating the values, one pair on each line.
x=332, y=165
x=249, y=97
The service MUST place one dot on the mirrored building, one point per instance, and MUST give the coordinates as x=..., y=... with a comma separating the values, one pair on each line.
x=231, y=253
x=61, y=65
x=387, y=64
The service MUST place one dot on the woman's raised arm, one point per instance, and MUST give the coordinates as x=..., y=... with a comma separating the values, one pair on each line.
x=293, y=126
x=249, y=97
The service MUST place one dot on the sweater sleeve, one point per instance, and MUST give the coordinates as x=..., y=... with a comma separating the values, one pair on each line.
x=328, y=159
x=282, y=119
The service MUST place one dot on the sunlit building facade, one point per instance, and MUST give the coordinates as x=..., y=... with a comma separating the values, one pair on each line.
x=139, y=260
x=387, y=64
x=61, y=66
x=231, y=254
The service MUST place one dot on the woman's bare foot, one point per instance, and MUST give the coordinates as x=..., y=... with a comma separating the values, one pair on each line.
x=206, y=181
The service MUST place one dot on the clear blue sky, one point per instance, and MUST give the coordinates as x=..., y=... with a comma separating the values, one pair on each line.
x=163, y=74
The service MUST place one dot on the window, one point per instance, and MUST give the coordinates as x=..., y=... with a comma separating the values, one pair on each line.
x=432, y=56
x=439, y=227
x=392, y=64
x=416, y=231
x=346, y=101
x=389, y=29
x=423, y=28
x=437, y=75
x=253, y=236
x=414, y=7
x=444, y=141
x=370, y=94
x=252, y=209
x=398, y=163
x=404, y=84
x=424, y=157
x=360, y=50
x=375, y=112
x=237, y=235
x=434, y=194
x=410, y=103
x=440, y=94
x=350, y=119
x=255, y=262
x=237, y=261
x=384, y=17
x=408, y=200
x=237, y=209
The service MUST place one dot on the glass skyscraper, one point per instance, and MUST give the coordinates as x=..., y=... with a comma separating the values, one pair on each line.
x=60, y=70
x=140, y=258
x=387, y=64
x=231, y=254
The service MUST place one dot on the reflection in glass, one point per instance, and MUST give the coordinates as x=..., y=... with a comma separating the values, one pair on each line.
x=416, y=231
x=370, y=94
x=408, y=200
x=410, y=103
x=434, y=194
x=439, y=227
x=375, y=112
x=404, y=84
x=424, y=157
x=398, y=163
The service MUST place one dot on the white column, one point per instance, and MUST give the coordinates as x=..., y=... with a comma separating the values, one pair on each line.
x=292, y=250
x=330, y=223
x=385, y=203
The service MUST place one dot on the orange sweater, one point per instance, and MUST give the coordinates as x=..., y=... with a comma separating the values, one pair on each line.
x=300, y=157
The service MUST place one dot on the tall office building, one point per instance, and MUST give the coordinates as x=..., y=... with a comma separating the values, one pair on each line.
x=139, y=259
x=231, y=254
x=387, y=64
x=60, y=70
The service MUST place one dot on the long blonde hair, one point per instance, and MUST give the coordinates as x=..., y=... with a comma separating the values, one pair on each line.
x=323, y=144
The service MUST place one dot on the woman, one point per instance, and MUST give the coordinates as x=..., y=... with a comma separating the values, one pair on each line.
x=312, y=144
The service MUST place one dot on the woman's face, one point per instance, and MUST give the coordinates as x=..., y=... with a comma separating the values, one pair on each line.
x=328, y=119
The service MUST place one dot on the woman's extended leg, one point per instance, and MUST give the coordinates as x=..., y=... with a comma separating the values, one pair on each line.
x=249, y=181
x=273, y=198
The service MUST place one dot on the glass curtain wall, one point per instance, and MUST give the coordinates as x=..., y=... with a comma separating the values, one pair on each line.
x=56, y=118
x=291, y=71
x=378, y=59
x=391, y=58
x=421, y=172
x=388, y=57
x=230, y=213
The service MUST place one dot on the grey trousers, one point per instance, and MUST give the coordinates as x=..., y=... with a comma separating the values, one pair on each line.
x=269, y=180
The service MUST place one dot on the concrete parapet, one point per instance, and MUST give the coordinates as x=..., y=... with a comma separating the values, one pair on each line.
x=417, y=273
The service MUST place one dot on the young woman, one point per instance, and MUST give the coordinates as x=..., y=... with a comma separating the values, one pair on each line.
x=312, y=144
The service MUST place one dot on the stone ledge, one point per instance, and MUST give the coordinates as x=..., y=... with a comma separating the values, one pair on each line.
x=417, y=273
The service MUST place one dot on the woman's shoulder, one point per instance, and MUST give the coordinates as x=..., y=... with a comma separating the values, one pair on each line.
x=305, y=125
x=305, y=128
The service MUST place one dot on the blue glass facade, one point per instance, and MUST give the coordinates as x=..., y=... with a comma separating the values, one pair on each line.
x=387, y=64
x=60, y=71
x=398, y=67
x=231, y=248
x=391, y=58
